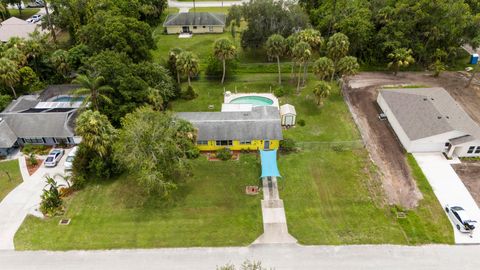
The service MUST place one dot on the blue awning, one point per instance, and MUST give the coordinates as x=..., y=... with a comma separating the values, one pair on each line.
x=269, y=163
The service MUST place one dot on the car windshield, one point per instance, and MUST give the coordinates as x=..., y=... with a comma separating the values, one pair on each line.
x=49, y=159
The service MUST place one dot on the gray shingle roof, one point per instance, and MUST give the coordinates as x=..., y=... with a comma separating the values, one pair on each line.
x=7, y=137
x=52, y=124
x=195, y=18
x=14, y=27
x=22, y=103
x=262, y=123
x=425, y=112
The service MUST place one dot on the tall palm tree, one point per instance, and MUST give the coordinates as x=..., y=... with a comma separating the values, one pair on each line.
x=315, y=40
x=401, y=57
x=301, y=53
x=172, y=62
x=9, y=74
x=321, y=92
x=323, y=68
x=93, y=89
x=337, y=48
x=276, y=48
x=187, y=64
x=224, y=50
x=96, y=131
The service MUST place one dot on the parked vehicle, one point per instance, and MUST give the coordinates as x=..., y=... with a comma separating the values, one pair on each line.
x=36, y=4
x=69, y=159
x=382, y=116
x=460, y=218
x=35, y=18
x=54, y=157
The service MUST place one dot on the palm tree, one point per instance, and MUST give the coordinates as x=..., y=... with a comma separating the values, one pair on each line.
x=187, y=64
x=16, y=55
x=321, y=92
x=172, y=62
x=337, y=48
x=301, y=53
x=59, y=59
x=348, y=65
x=93, y=89
x=315, y=40
x=224, y=50
x=96, y=131
x=276, y=47
x=3, y=11
x=9, y=74
x=290, y=43
x=401, y=57
x=323, y=68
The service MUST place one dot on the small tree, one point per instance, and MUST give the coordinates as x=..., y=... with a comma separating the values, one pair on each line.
x=233, y=29
x=172, y=62
x=276, y=48
x=9, y=75
x=51, y=200
x=401, y=57
x=93, y=89
x=321, y=92
x=348, y=65
x=32, y=159
x=224, y=154
x=224, y=50
x=323, y=68
x=187, y=64
x=302, y=53
x=337, y=48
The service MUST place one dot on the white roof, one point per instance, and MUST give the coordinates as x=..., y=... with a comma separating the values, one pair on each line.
x=287, y=109
x=233, y=107
x=15, y=27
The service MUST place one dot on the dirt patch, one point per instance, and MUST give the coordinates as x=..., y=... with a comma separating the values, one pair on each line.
x=468, y=173
x=33, y=168
x=386, y=151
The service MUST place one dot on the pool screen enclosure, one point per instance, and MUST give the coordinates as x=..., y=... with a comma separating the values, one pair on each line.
x=269, y=163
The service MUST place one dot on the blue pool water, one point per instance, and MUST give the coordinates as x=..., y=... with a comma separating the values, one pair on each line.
x=68, y=99
x=254, y=100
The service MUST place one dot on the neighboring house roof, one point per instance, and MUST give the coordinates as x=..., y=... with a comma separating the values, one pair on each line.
x=287, y=109
x=262, y=123
x=15, y=27
x=7, y=137
x=57, y=90
x=425, y=112
x=195, y=18
x=40, y=124
x=22, y=103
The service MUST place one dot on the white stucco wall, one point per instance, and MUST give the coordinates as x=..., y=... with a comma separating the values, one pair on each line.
x=199, y=30
x=462, y=150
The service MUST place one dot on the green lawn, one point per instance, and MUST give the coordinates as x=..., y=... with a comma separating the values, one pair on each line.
x=26, y=13
x=210, y=209
x=12, y=169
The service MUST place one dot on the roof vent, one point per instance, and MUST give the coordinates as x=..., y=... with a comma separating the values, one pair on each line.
x=439, y=117
x=432, y=98
x=448, y=117
x=425, y=99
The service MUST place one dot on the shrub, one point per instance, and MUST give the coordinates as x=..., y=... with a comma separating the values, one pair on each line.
x=214, y=68
x=190, y=93
x=301, y=122
x=51, y=200
x=36, y=149
x=32, y=159
x=193, y=153
x=224, y=154
x=4, y=101
x=287, y=145
x=279, y=91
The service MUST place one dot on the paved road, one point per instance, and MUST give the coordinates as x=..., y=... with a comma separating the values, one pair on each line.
x=23, y=200
x=278, y=256
x=449, y=189
x=177, y=4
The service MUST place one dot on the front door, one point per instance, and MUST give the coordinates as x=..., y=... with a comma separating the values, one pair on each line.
x=266, y=145
x=185, y=29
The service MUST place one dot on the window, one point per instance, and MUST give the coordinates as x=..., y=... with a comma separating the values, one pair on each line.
x=194, y=27
x=204, y=26
x=224, y=142
x=34, y=140
x=470, y=149
x=245, y=142
x=477, y=150
x=61, y=140
x=202, y=142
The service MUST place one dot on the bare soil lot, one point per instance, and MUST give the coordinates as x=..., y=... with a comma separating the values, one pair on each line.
x=469, y=174
x=361, y=91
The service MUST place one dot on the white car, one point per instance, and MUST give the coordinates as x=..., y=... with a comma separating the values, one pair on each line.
x=460, y=218
x=35, y=18
x=54, y=157
x=69, y=159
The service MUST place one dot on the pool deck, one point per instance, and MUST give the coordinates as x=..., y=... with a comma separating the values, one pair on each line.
x=228, y=97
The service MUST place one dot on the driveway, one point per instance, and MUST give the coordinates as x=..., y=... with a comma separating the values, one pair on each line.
x=279, y=257
x=449, y=189
x=23, y=200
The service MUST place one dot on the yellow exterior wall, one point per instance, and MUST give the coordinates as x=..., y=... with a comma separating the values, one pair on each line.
x=255, y=145
x=199, y=30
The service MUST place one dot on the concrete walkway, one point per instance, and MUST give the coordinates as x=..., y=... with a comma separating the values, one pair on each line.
x=275, y=230
x=23, y=200
x=449, y=189
x=279, y=257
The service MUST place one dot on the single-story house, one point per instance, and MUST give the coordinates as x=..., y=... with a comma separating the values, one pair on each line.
x=33, y=120
x=15, y=27
x=195, y=22
x=430, y=120
x=257, y=129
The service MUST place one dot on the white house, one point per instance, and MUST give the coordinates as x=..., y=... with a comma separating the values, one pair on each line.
x=430, y=120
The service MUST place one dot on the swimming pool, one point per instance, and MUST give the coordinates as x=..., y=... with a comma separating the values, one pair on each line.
x=254, y=100
x=67, y=99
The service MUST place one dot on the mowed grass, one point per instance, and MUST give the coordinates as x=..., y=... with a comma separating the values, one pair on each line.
x=26, y=13
x=10, y=177
x=209, y=209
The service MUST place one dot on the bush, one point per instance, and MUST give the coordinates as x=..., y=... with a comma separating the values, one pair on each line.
x=51, y=200
x=190, y=93
x=279, y=92
x=214, y=68
x=193, y=153
x=36, y=149
x=224, y=154
x=287, y=145
x=32, y=159
x=4, y=101
x=301, y=122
